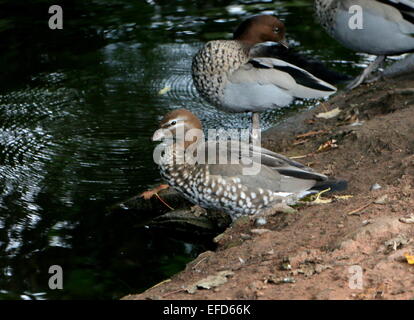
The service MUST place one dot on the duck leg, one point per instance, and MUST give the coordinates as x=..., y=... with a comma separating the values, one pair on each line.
x=255, y=129
x=368, y=70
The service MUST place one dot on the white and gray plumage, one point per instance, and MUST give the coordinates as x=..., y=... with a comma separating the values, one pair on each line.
x=387, y=27
x=228, y=75
x=224, y=186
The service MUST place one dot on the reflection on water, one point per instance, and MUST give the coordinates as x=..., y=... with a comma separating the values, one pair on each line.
x=75, y=123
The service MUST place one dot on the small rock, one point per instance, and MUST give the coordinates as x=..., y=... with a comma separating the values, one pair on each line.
x=260, y=221
x=382, y=200
x=375, y=186
x=210, y=282
x=340, y=226
x=366, y=222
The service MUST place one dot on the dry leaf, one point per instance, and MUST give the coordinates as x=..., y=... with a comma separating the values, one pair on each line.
x=410, y=258
x=330, y=144
x=319, y=199
x=407, y=220
x=344, y=197
x=164, y=90
x=330, y=114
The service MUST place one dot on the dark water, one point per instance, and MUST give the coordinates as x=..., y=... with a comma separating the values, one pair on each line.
x=77, y=109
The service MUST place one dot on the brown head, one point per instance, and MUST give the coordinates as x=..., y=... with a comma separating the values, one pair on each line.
x=261, y=28
x=176, y=124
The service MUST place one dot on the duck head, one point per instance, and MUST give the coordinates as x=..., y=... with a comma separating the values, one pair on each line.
x=180, y=125
x=261, y=28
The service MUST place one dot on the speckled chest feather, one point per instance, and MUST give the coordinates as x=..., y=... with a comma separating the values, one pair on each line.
x=213, y=64
x=325, y=11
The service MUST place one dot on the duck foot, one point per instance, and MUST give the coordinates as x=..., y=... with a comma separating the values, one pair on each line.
x=150, y=193
x=368, y=70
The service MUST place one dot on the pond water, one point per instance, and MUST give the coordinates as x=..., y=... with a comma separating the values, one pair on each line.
x=77, y=109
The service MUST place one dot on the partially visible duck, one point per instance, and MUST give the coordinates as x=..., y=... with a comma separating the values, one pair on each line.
x=228, y=76
x=225, y=186
x=387, y=28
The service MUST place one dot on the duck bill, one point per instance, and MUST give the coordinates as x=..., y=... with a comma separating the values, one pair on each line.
x=158, y=135
x=284, y=43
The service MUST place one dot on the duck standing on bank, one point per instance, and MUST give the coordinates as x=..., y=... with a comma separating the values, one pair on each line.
x=386, y=27
x=224, y=186
x=229, y=77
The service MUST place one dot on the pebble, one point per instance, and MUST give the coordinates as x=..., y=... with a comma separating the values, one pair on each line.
x=381, y=200
x=375, y=186
x=260, y=221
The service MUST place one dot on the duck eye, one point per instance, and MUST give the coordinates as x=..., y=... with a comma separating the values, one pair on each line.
x=276, y=30
x=173, y=123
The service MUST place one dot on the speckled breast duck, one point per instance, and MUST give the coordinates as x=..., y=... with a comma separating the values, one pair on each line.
x=224, y=186
x=229, y=76
x=386, y=27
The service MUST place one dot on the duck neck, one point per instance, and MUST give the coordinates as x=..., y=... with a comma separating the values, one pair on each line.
x=247, y=41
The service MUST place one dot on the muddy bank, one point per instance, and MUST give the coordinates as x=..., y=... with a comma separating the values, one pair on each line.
x=311, y=252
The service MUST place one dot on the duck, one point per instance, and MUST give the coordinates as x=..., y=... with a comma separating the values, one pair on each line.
x=231, y=76
x=386, y=28
x=224, y=185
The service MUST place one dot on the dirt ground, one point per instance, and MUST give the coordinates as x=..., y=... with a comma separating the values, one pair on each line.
x=342, y=248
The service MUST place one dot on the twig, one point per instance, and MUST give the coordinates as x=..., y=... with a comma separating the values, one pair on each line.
x=359, y=209
x=172, y=292
x=199, y=263
x=310, y=133
x=171, y=208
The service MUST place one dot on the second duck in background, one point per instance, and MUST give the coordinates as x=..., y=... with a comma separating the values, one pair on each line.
x=228, y=76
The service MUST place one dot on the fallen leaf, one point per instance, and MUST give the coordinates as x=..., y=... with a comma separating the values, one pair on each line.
x=329, y=114
x=330, y=144
x=410, y=258
x=407, y=220
x=319, y=199
x=344, y=197
x=164, y=90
